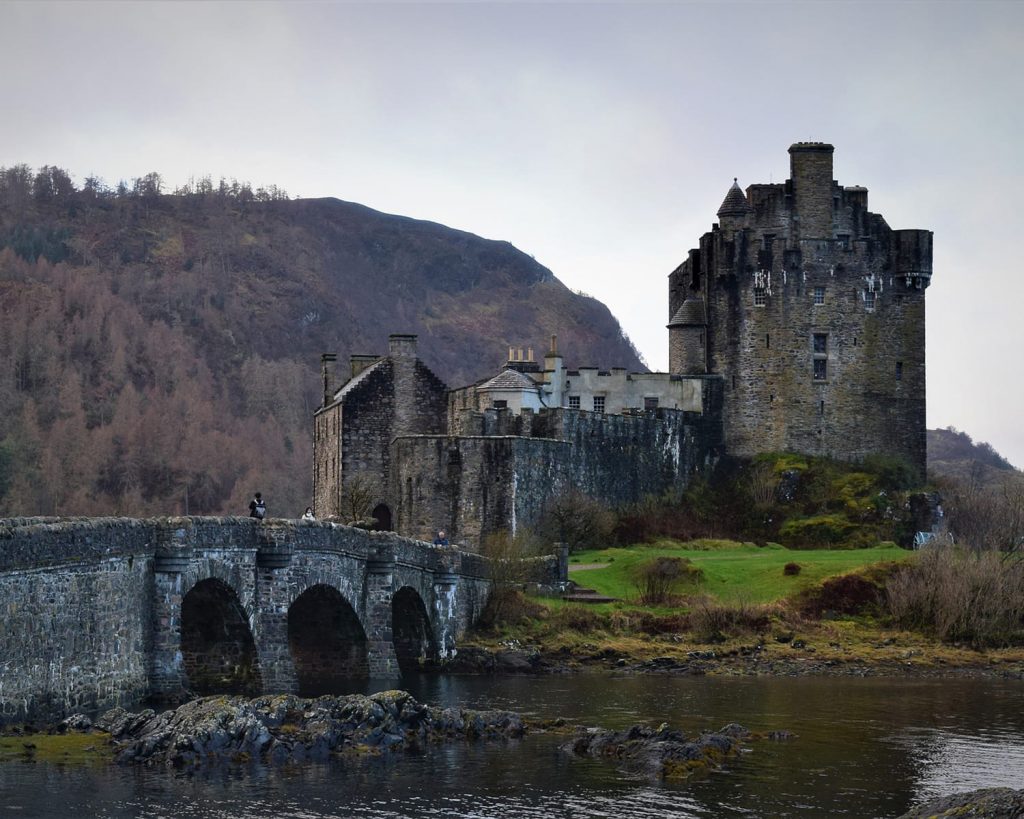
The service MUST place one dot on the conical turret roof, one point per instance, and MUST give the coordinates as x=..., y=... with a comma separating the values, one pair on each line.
x=735, y=202
x=690, y=313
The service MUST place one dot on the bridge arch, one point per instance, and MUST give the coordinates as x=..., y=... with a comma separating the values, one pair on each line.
x=326, y=640
x=412, y=633
x=217, y=647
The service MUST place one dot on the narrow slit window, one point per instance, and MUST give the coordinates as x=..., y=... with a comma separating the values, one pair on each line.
x=899, y=370
x=767, y=341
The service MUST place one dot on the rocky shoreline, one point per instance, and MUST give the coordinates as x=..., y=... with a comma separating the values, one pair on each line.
x=987, y=803
x=286, y=729
x=664, y=753
x=750, y=660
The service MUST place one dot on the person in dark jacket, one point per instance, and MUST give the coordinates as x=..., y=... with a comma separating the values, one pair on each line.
x=441, y=539
x=257, y=508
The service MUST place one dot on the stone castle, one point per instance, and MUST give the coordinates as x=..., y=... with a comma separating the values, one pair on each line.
x=797, y=324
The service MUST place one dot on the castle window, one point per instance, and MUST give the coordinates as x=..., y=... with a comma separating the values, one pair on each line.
x=844, y=241
x=500, y=404
x=574, y=402
x=820, y=350
x=899, y=370
x=821, y=411
x=598, y=403
x=869, y=300
x=767, y=341
x=819, y=295
x=650, y=403
x=769, y=240
x=899, y=301
x=760, y=297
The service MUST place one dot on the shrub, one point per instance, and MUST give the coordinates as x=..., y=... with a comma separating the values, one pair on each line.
x=712, y=621
x=507, y=607
x=892, y=473
x=576, y=520
x=658, y=579
x=845, y=594
x=814, y=532
x=577, y=617
x=791, y=569
x=961, y=596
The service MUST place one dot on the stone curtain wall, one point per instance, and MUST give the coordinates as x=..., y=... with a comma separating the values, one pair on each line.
x=474, y=486
x=92, y=608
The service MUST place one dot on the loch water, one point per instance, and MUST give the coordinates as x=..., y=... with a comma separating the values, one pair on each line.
x=864, y=748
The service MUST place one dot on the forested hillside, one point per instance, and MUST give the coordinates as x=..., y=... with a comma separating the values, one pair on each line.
x=158, y=350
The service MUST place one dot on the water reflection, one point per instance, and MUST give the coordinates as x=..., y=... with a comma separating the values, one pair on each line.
x=865, y=748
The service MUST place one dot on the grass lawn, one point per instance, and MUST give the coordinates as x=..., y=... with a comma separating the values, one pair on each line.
x=732, y=571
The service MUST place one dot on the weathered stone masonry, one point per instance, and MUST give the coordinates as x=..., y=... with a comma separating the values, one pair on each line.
x=92, y=608
x=812, y=309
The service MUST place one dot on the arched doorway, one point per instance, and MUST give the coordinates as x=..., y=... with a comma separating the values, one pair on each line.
x=327, y=642
x=383, y=515
x=412, y=635
x=217, y=648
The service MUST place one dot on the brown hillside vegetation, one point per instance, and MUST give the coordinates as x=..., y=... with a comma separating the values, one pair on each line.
x=157, y=345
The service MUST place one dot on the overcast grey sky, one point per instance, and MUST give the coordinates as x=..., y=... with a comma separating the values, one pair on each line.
x=599, y=138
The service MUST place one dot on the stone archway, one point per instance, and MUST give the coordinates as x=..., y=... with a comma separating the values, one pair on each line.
x=413, y=637
x=217, y=647
x=327, y=642
x=382, y=513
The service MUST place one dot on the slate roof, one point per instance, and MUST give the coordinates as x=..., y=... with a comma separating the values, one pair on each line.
x=690, y=313
x=509, y=380
x=352, y=383
x=735, y=202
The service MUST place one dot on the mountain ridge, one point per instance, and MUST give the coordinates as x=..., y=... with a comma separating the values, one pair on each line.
x=149, y=339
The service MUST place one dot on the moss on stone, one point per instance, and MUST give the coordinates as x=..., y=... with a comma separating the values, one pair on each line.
x=67, y=749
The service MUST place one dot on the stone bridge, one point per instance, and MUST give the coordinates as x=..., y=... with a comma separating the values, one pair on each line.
x=105, y=611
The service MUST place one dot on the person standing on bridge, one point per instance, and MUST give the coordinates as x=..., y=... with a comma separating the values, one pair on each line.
x=257, y=508
x=441, y=539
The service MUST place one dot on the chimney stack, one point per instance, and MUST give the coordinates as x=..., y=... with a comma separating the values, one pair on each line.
x=402, y=345
x=327, y=370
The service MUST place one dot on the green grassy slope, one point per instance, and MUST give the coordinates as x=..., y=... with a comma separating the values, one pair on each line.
x=737, y=572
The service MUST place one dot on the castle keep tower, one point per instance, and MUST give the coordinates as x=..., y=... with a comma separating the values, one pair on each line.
x=812, y=309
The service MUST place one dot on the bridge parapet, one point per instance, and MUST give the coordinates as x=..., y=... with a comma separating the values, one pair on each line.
x=95, y=607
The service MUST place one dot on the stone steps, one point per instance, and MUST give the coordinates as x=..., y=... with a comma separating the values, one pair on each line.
x=581, y=595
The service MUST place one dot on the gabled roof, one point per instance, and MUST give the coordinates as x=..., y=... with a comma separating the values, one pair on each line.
x=690, y=313
x=735, y=202
x=352, y=383
x=509, y=380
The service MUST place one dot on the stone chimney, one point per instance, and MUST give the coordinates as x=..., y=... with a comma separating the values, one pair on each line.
x=810, y=170
x=554, y=375
x=360, y=362
x=327, y=370
x=402, y=345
